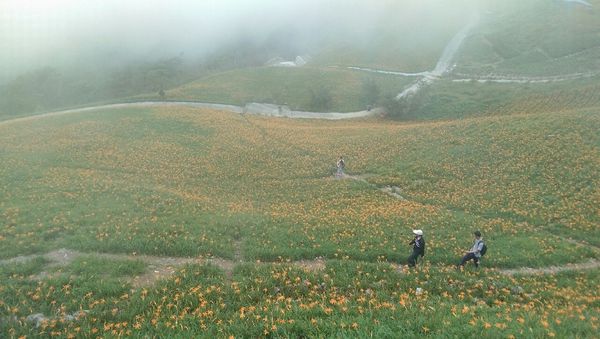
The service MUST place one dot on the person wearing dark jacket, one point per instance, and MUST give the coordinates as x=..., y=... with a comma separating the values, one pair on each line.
x=418, y=248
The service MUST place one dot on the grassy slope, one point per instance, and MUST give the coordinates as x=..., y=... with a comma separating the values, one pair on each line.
x=395, y=45
x=152, y=177
x=287, y=85
x=192, y=182
x=515, y=39
x=538, y=38
x=446, y=99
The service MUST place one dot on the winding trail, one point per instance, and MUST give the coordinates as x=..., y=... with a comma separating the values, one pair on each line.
x=514, y=79
x=393, y=191
x=443, y=65
x=253, y=108
x=371, y=70
x=446, y=63
x=159, y=268
x=589, y=265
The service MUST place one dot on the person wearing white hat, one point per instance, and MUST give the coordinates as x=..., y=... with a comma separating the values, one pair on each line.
x=340, y=167
x=418, y=247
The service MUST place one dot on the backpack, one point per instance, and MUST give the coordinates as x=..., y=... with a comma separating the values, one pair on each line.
x=483, y=250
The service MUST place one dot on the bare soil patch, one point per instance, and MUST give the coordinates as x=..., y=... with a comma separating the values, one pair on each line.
x=589, y=265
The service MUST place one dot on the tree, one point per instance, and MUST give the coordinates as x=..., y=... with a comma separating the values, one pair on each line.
x=370, y=91
x=407, y=106
x=320, y=99
x=34, y=91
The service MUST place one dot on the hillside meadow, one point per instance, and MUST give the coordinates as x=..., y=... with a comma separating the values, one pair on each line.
x=533, y=38
x=454, y=97
x=299, y=88
x=305, y=253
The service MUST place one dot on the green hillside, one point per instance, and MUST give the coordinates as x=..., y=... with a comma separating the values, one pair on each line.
x=545, y=52
x=346, y=90
x=247, y=190
x=449, y=99
x=162, y=220
x=394, y=44
x=534, y=38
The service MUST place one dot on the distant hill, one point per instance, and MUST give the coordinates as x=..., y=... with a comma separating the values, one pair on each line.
x=534, y=38
x=519, y=53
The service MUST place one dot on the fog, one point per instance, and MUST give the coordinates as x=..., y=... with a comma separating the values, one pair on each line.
x=104, y=33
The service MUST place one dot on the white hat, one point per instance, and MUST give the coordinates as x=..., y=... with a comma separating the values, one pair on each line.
x=418, y=232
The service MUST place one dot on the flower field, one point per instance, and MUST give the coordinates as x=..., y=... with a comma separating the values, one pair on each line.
x=259, y=194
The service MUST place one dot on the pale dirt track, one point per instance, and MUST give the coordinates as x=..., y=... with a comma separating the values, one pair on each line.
x=253, y=108
x=163, y=267
x=157, y=267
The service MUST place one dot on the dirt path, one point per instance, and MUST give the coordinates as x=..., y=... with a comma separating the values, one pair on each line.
x=157, y=267
x=444, y=64
x=589, y=265
x=514, y=79
x=372, y=70
x=393, y=191
x=163, y=267
x=252, y=108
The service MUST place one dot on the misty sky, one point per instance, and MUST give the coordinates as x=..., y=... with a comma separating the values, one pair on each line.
x=36, y=33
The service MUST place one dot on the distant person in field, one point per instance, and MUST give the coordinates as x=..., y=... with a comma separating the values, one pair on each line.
x=418, y=248
x=340, y=167
x=475, y=252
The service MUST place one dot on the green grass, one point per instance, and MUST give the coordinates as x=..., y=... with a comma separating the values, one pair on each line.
x=533, y=38
x=291, y=86
x=90, y=265
x=190, y=182
x=446, y=99
x=23, y=269
x=346, y=299
x=395, y=45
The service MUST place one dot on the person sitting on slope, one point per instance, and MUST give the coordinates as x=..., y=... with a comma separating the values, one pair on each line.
x=475, y=252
